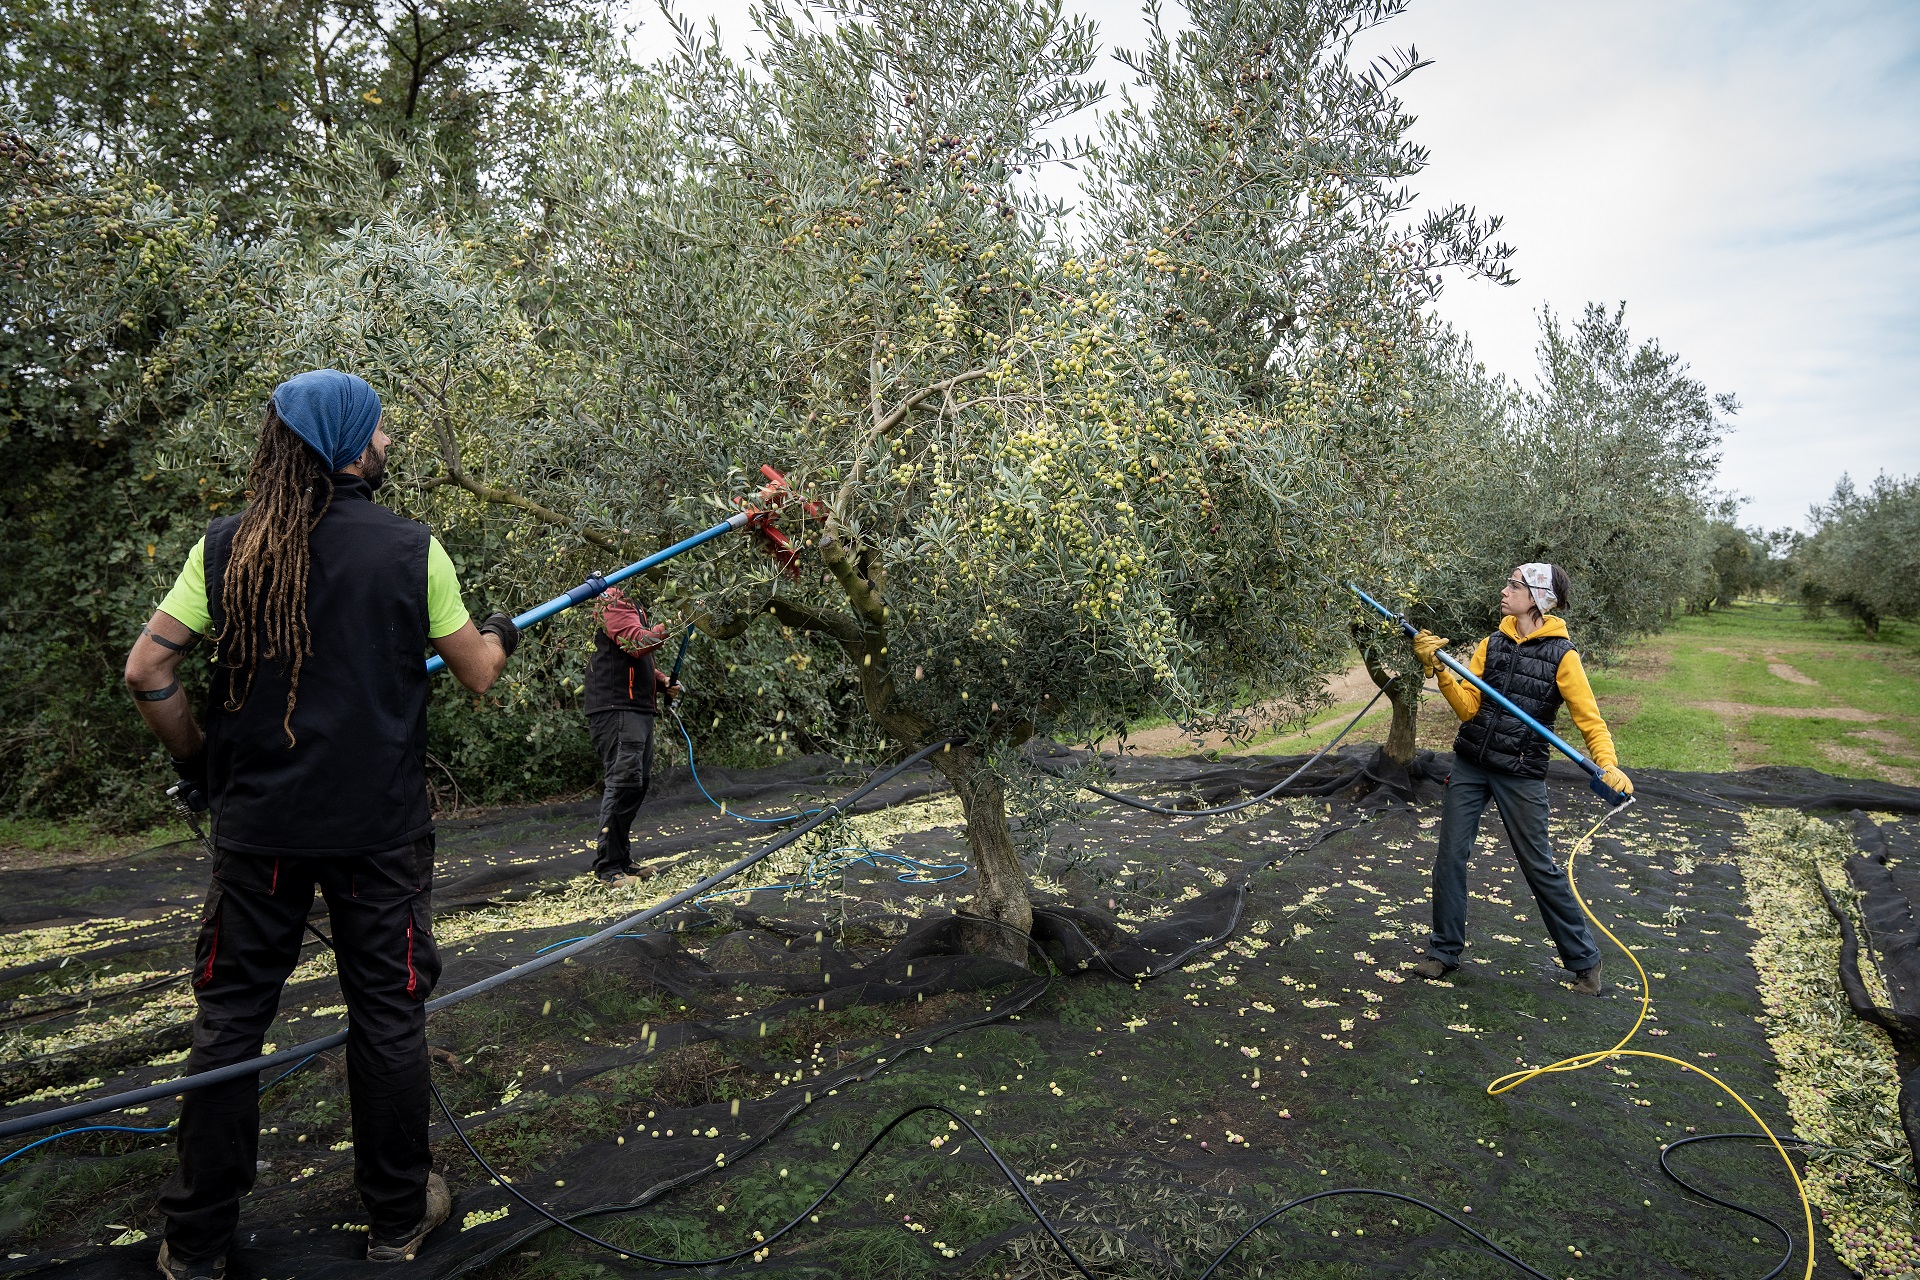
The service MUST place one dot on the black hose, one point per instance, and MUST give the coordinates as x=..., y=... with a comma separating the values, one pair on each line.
x=1013, y=1180
x=167, y=1088
x=1786, y=1236
x=1237, y=805
x=1803, y=1144
x=1755, y=1214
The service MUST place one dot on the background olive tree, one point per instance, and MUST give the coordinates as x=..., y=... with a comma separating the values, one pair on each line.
x=1862, y=557
x=1604, y=467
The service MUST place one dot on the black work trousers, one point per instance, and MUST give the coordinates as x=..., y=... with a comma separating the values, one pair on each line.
x=1524, y=809
x=624, y=740
x=380, y=908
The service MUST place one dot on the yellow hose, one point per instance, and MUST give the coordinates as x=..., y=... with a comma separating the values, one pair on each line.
x=1514, y=1079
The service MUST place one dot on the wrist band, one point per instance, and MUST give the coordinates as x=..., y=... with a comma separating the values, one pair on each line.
x=156, y=695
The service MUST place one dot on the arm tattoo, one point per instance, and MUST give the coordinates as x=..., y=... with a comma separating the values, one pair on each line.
x=157, y=695
x=165, y=643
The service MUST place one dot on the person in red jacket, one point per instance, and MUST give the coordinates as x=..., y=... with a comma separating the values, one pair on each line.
x=621, y=698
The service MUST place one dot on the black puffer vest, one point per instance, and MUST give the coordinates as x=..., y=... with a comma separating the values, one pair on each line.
x=355, y=782
x=1528, y=674
x=618, y=680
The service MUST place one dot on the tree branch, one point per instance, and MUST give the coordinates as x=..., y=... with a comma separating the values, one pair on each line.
x=456, y=474
x=866, y=601
x=882, y=424
x=805, y=617
x=735, y=625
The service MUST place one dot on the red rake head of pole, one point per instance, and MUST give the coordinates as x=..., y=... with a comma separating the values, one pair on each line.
x=772, y=496
x=777, y=492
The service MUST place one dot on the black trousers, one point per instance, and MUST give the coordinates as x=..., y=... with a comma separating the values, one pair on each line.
x=624, y=740
x=381, y=911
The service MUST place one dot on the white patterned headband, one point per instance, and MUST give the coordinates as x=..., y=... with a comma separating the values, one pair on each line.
x=1539, y=580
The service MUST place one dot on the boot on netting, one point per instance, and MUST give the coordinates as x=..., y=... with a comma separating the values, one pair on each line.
x=173, y=1269
x=1587, y=981
x=1433, y=970
x=439, y=1208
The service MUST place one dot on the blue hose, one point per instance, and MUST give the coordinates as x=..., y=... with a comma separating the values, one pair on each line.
x=123, y=1128
x=913, y=871
x=91, y=1128
x=691, y=768
x=289, y=1071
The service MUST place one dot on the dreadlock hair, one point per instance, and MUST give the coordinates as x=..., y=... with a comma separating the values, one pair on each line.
x=264, y=592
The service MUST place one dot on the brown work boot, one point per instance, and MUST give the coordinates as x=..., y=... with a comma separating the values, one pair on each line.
x=626, y=877
x=1587, y=981
x=1432, y=969
x=214, y=1269
x=439, y=1209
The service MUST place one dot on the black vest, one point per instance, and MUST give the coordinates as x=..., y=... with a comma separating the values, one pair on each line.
x=618, y=680
x=355, y=781
x=1528, y=675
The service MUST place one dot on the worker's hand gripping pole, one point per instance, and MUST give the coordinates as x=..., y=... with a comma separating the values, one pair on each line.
x=596, y=583
x=1595, y=775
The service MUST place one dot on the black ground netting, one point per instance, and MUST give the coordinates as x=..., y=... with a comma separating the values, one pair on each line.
x=1282, y=1050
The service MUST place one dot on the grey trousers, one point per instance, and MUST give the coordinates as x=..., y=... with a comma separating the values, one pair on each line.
x=624, y=740
x=1523, y=810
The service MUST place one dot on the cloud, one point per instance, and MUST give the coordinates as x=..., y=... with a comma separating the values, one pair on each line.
x=1743, y=175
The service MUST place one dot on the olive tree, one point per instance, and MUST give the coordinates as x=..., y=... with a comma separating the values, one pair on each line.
x=1863, y=556
x=1031, y=494
x=1052, y=484
x=1604, y=467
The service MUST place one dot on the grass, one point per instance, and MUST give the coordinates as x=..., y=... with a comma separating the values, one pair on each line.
x=27, y=843
x=1745, y=686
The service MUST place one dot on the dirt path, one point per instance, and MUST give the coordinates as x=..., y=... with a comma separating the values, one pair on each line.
x=1761, y=684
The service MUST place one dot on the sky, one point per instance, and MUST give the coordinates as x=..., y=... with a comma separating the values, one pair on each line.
x=1744, y=176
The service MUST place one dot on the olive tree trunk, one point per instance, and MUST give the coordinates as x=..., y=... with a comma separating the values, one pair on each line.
x=1403, y=693
x=1002, y=914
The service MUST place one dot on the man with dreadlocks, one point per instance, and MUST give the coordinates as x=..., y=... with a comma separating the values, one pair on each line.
x=321, y=605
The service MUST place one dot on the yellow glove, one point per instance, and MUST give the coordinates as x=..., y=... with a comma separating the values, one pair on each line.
x=1425, y=646
x=1619, y=781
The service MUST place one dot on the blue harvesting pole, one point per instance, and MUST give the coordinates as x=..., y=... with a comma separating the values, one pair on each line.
x=594, y=585
x=1595, y=776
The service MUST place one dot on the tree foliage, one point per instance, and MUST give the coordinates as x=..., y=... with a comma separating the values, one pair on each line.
x=1862, y=558
x=235, y=100
x=1047, y=474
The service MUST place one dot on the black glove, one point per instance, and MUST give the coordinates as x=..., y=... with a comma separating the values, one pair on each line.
x=500, y=626
x=191, y=790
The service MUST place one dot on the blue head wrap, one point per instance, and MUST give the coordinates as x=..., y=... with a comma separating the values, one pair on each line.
x=333, y=412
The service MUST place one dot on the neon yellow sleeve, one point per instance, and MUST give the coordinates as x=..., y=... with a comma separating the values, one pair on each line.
x=445, y=613
x=187, y=602
x=1585, y=710
x=1461, y=696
